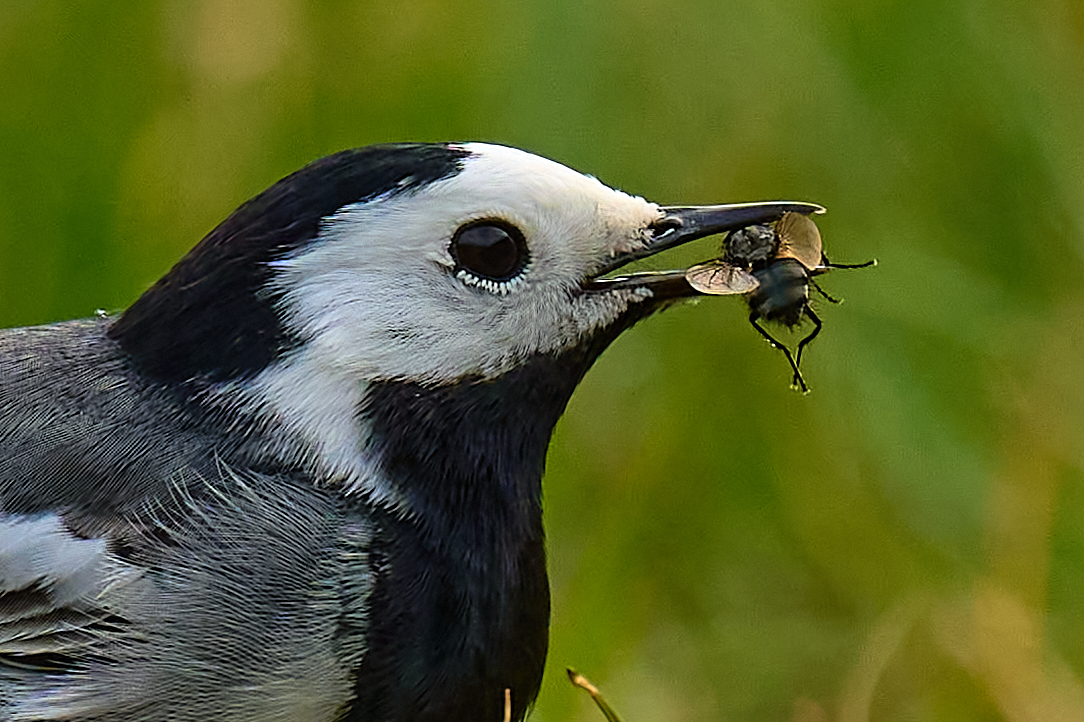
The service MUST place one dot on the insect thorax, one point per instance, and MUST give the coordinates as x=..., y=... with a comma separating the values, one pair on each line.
x=750, y=247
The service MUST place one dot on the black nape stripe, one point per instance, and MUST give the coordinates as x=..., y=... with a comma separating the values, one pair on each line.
x=211, y=317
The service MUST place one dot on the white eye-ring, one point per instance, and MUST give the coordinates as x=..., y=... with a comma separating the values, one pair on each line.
x=501, y=288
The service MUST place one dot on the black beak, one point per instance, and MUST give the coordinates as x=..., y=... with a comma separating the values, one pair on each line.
x=681, y=224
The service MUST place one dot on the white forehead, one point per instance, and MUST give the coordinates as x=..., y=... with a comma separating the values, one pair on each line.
x=375, y=295
x=553, y=192
x=491, y=167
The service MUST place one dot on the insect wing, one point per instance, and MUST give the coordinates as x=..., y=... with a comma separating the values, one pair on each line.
x=718, y=278
x=800, y=239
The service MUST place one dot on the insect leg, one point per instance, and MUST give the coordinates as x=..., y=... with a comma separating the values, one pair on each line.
x=825, y=263
x=822, y=292
x=798, y=380
x=812, y=335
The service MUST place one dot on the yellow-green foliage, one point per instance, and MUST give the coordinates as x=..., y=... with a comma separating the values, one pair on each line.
x=905, y=543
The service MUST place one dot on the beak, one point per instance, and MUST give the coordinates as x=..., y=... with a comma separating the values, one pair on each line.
x=681, y=224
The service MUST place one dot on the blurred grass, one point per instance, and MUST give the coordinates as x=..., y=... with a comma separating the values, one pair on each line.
x=906, y=543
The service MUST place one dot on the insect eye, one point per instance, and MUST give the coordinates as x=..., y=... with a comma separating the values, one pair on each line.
x=490, y=249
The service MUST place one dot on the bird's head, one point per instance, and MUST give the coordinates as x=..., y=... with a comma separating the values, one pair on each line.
x=467, y=276
x=425, y=264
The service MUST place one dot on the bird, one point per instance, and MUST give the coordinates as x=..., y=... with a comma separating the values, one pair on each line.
x=299, y=478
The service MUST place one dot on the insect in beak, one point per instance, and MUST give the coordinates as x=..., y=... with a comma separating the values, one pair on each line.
x=773, y=267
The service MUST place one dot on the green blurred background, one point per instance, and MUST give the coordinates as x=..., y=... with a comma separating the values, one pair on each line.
x=906, y=542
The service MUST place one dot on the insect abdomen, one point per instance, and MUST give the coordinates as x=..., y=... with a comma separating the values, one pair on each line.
x=783, y=292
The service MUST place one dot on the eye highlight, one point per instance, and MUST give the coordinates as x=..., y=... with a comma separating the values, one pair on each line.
x=490, y=250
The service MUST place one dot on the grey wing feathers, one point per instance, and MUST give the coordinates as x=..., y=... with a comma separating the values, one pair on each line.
x=51, y=588
x=39, y=552
x=58, y=595
x=249, y=611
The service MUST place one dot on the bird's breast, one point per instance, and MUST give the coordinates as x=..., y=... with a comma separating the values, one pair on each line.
x=460, y=607
x=452, y=626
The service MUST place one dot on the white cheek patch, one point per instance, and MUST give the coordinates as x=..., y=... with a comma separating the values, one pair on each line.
x=320, y=406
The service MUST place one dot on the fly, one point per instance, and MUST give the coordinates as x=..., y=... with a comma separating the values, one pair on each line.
x=773, y=268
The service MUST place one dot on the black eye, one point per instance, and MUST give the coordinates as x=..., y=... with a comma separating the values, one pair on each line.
x=490, y=250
